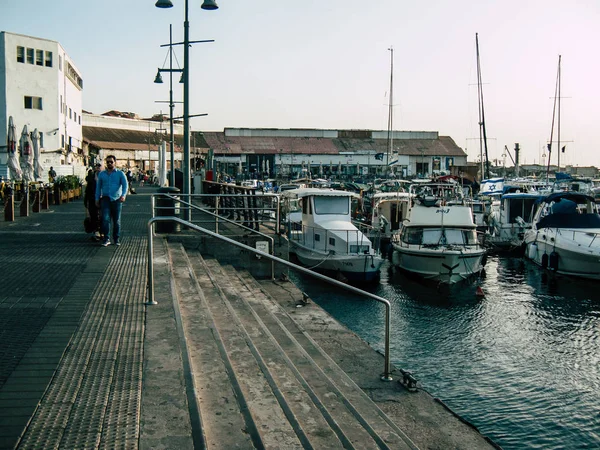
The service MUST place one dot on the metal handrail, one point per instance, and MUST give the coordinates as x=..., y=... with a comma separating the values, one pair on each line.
x=249, y=197
x=385, y=376
x=266, y=236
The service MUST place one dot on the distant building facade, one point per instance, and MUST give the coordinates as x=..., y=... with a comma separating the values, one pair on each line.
x=339, y=153
x=41, y=87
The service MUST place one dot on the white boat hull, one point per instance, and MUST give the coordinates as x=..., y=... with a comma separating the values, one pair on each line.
x=359, y=268
x=573, y=252
x=443, y=266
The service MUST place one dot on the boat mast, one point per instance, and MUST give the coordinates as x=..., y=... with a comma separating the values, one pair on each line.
x=391, y=108
x=482, y=132
x=556, y=100
x=558, y=121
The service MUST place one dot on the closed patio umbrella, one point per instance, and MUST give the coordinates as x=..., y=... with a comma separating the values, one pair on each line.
x=13, y=155
x=26, y=155
x=38, y=170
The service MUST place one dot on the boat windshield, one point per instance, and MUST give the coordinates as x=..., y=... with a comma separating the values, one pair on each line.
x=332, y=205
x=438, y=236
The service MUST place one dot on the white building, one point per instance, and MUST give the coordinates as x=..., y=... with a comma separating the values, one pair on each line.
x=41, y=87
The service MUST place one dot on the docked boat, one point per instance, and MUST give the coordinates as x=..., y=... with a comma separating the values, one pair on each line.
x=438, y=240
x=326, y=240
x=388, y=211
x=510, y=220
x=565, y=235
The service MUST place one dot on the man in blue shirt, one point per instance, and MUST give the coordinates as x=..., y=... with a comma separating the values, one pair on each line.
x=111, y=190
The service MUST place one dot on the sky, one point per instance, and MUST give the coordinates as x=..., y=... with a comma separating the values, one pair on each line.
x=326, y=65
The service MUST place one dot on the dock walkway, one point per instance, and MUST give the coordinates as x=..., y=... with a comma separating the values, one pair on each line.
x=84, y=363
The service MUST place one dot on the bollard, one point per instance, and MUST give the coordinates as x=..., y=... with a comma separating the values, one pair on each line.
x=9, y=207
x=36, y=201
x=24, y=208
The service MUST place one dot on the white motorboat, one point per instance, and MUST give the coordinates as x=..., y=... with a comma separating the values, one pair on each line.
x=509, y=222
x=326, y=240
x=438, y=240
x=565, y=235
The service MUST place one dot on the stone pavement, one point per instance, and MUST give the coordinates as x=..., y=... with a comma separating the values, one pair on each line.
x=72, y=329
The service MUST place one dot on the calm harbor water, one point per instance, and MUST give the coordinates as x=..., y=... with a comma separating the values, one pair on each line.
x=522, y=364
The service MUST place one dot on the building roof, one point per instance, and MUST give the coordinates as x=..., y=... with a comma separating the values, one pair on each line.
x=264, y=145
x=118, y=139
x=223, y=143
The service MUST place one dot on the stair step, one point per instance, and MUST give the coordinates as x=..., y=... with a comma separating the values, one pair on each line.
x=221, y=418
x=364, y=410
x=255, y=395
x=261, y=381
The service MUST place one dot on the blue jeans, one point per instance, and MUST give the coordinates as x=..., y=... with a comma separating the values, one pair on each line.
x=111, y=210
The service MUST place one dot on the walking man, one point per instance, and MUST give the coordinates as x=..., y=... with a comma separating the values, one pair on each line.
x=111, y=190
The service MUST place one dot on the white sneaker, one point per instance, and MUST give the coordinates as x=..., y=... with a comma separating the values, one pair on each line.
x=106, y=243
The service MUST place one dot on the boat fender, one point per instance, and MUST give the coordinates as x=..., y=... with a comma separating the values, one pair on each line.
x=396, y=258
x=553, y=261
x=532, y=251
x=544, y=262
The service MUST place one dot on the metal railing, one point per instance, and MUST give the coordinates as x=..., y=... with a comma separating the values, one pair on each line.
x=217, y=217
x=248, y=208
x=385, y=376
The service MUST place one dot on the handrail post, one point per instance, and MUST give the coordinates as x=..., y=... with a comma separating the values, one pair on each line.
x=150, y=287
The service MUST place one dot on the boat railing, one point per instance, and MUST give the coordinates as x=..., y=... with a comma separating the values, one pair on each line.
x=151, y=300
x=577, y=235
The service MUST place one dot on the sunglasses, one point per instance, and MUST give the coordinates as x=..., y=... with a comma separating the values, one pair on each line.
x=110, y=162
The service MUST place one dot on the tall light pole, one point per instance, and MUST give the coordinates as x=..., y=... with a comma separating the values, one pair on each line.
x=158, y=79
x=208, y=5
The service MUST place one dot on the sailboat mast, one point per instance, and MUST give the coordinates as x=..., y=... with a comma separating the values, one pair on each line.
x=558, y=121
x=391, y=108
x=554, y=115
x=482, y=132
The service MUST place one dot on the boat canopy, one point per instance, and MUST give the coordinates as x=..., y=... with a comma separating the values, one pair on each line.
x=569, y=220
x=573, y=196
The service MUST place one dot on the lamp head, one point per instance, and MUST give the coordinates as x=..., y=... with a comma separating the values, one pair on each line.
x=158, y=78
x=209, y=4
x=164, y=4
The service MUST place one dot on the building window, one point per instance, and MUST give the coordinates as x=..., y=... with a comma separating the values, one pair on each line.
x=29, y=56
x=41, y=140
x=62, y=140
x=317, y=237
x=79, y=119
x=70, y=113
x=62, y=109
x=21, y=54
x=33, y=102
x=60, y=63
x=48, y=59
x=75, y=116
x=39, y=57
x=332, y=241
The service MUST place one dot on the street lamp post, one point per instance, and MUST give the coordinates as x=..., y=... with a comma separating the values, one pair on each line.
x=158, y=79
x=208, y=5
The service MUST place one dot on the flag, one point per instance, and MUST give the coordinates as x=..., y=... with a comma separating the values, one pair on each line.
x=379, y=156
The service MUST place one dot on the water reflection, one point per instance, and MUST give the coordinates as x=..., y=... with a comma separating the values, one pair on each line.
x=522, y=363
